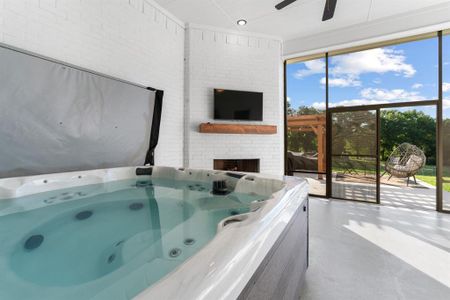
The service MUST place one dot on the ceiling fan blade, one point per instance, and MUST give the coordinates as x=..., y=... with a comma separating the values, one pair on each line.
x=284, y=3
x=328, y=12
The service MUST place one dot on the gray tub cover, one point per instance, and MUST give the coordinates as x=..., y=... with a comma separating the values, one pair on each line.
x=55, y=118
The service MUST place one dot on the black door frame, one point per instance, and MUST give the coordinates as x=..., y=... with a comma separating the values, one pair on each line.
x=329, y=177
x=377, y=108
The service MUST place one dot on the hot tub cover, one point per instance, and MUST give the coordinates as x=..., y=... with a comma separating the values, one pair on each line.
x=56, y=117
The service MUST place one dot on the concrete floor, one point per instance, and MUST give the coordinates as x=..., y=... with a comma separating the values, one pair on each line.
x=364, y=251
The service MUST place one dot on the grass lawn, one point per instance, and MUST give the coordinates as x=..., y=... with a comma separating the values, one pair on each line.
x=432, y=180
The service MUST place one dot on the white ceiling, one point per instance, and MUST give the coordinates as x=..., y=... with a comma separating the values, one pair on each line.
x=302, y=18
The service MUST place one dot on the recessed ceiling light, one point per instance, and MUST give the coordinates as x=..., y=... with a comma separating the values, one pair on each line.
x=241, y=22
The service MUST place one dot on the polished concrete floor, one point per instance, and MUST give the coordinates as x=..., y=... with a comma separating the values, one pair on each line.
x=366, y=251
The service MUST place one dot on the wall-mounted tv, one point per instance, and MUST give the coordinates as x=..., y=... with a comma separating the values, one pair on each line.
x=238, y=105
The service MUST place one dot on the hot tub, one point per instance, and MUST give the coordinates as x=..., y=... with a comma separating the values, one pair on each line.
x=148, y=233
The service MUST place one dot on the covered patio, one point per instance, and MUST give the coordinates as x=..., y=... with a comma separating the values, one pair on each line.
x=309, y=123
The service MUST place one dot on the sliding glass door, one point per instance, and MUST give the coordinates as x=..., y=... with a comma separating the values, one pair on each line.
x=354, y=155
x=335, y=135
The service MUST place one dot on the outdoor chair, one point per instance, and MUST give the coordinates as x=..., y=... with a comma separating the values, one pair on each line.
x=346, y=165
x=404, y=162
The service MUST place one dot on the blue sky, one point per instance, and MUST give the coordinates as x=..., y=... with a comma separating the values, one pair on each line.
x=400, y=73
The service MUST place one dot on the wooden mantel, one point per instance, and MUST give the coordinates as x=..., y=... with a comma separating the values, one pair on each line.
x=237, y=128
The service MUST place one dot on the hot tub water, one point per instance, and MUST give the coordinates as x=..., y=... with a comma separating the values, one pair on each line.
x=106, y=241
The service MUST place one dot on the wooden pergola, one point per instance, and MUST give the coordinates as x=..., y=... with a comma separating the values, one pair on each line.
x=316, y=124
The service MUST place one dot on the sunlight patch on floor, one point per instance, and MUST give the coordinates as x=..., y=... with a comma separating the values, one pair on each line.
x=411, y=250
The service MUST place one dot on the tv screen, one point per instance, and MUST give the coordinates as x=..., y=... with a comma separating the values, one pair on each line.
x=238, y=105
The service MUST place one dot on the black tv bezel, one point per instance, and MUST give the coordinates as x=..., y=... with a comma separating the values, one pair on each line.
x=242, y=120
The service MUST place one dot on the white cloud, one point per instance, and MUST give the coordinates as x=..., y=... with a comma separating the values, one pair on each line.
x=316, y=66
x=288, y=99
x=355, y=102
x=376, y=81
x=417, y=86
x=446, y=87
x=341, y=82
x=380, y=61
x=389, y=95
x=345, y=70
x=319, y=105
x=446, y=103
x=378, y=96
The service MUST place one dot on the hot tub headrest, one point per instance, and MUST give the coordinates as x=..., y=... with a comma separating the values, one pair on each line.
x=144, y=171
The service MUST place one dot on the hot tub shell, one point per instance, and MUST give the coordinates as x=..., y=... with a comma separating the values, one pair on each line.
x=259, y=255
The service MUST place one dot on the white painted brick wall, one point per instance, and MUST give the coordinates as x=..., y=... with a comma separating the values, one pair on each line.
x=130, y=39
x=217, y=59
x=138, y=41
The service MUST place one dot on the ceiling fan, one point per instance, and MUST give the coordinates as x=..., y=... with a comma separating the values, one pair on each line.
x=328, y=12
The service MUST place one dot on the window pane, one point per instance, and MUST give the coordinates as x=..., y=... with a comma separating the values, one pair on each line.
x=446, y=119
x=400, y=73
x=402, y=130
x=306, y=122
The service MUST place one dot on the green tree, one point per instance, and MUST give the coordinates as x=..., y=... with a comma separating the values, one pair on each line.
x=307, y=110
x=302, y=141
x=354, y=133
x=412, y=126
x=290, y=111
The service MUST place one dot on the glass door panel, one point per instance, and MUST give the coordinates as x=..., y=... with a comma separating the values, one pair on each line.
x=446, y=123
x=306, y=124
x=354, y=152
